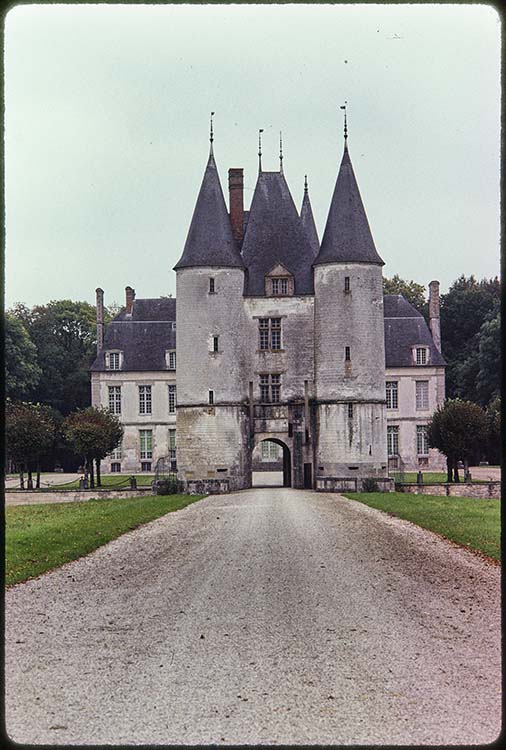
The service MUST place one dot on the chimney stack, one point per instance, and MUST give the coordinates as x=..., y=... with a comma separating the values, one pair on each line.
x=236, y=196
x=100, y=319
x=129, y=297
x=434, y=322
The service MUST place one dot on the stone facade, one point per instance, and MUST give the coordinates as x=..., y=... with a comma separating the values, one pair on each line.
x=278, y=338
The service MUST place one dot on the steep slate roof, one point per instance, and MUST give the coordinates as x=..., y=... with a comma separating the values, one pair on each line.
x=347, y=236
x=143, y=338
x=405, y=328
x=210, y=241
x=275, y=235
x=308, y=223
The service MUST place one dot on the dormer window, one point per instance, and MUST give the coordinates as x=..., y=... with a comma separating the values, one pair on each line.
x=113, y=360
x=279, y=282
x=170, y=359
x=421, y=355
x=280, y=286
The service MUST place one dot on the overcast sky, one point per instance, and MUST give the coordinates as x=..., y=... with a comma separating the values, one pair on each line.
x=107, y=117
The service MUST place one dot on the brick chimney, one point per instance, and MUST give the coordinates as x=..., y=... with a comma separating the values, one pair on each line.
x=236, y=196
x=129, y=299
x=100, y=319
x=434, y=322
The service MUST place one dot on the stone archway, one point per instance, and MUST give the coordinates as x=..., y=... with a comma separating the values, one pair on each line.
x=283, y=465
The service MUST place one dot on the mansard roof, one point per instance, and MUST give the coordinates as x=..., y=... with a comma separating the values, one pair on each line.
x=308, y=223
x=347, y=237
x=406, y=328
x=143, y=338
x=210, y=241
x=275, y=234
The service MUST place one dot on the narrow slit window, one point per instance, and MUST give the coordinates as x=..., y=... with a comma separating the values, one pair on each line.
x=346, y=283
x=215, y=343
x=211, y=286
x=350, y=411
x=347, y=354
x=211, y=397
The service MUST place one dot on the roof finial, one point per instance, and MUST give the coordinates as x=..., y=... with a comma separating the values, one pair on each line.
x=343, y=106
x=261, y=130
x=211, y=134
x=305, y=184
x=280, y=152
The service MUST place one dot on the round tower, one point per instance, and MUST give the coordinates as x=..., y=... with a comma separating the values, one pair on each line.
x=349, y=340
x=212, y=425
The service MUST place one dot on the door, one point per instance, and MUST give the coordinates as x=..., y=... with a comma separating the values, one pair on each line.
x=308, y=478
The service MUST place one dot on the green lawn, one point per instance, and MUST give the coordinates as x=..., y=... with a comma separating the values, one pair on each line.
x=432, y=477
x=41, y=537
x=471, y=522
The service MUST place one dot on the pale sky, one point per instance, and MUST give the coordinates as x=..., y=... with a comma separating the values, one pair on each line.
x=107, y=126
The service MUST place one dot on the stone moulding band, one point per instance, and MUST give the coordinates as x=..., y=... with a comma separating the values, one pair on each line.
x=294, y=402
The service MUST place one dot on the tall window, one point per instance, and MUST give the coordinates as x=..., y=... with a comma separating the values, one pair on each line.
x=393, y=440
x=211, y=397
x=421, y=356
x=422, y=394
x=115, y=399
x=172, y=399
x=346, y=283
x=280, y=286
x=211, y=286
x=422, y=440
x=172, y=360
x=270, y=333
x=172, y=445
x=113, y=360
x=270, y=389
x=146, y=439
x=392, y=394
x=215, y=343
x=270, y=451
x=116, y=454
x=144, y=399
x=350, y=411
x=347, y=353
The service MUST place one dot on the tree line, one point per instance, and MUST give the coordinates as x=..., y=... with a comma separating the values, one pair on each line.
x=49, y=350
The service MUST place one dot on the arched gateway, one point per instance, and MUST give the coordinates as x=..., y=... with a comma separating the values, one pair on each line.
x=271, y=463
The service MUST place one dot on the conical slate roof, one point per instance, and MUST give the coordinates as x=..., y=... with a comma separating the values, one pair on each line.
x=210, y=241
x=275, y=235
x=308, y=223
x=347, y=236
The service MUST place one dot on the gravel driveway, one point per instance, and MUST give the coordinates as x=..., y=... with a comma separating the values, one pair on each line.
x=265, y=616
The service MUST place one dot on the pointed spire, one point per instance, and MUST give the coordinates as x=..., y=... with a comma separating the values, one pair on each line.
x=260, y=131
x=280, y=152
x=210, y=241
x=347, y=237
x=308, y=222
x=211, y=135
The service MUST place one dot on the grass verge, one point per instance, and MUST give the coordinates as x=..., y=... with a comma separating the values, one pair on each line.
x=39, y=538
x=430, y=477
x=471, y=522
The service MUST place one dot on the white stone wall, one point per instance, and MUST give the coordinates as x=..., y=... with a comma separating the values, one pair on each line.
x=160, y=421
x=407, y=416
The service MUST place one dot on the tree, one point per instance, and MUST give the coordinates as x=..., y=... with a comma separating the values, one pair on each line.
x=30, y=433
x=93, y=433
x=493, y=443
x=466, y=306
x=22, y=372
x=488, y=379
x=410, y=290
x=458, y=429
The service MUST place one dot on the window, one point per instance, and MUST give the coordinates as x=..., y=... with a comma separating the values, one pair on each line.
x=113, y=360
x=347, y=354
x=115, y=399
x=172, y=399
x=350, y=411
x=280, y=286
x=146, y=439
x=211, y=397
x=215, y=343
x=422, y=440
x=422, y=394
x=346, y=283
x=115, y=468
x=270, y=451
x=171, y=362
x=211, y=286
x=145, y=465
x=270, y=389
x=392, y=394
x=172, y=446
x=116, y=454
x=392, y=440
x=270, y=333
x=144, y=399
x=421, y=356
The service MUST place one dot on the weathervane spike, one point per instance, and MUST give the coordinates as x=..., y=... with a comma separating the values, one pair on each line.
x=260, y=131
x=281, y=152
x=211, y=132
x=305, y=184
x=343, y=106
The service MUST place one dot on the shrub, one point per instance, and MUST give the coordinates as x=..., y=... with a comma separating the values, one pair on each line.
x=169, y=486
x=369, y=485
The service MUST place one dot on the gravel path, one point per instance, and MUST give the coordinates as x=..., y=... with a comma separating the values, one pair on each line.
x=262, y=617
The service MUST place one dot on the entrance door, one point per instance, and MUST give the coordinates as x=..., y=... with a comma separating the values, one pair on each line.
x=308, y=478
x=287, y=467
